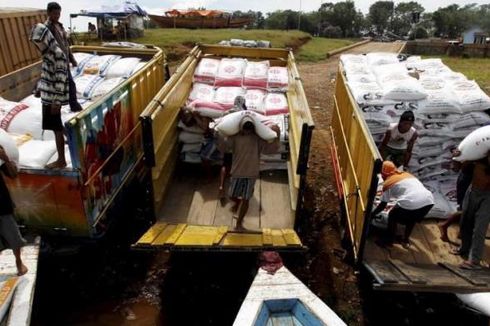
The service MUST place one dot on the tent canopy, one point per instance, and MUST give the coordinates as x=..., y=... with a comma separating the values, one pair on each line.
x=122, y=10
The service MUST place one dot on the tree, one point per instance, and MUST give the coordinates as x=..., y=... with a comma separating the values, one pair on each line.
x=404, y=16
x=343, y=15
x=450, y=21
x=380, y=15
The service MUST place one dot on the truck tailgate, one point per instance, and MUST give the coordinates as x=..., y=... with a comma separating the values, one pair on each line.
x=395, y=275
x=185, y=237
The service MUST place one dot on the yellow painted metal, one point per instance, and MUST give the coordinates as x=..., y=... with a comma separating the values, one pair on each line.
x=356, y=155
x=267, y=237
x=222, y=230
x=164, y=236
x=243, y=240
x=176, y=234
x=182, y=236
x=152, y=234
x=277, y=238
x=198, y=235
x=291, y=237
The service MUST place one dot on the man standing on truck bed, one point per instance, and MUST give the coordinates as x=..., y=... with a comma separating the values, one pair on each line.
x=399, y=139
x=56, y=86
x=9, y=231
x=246, y=147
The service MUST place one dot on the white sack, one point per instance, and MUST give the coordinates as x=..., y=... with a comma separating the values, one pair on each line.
x=254, y=100
x=230, y=125
x=99, y=64
x=475, y=146
x=277, y=78
x=202, y=92
x=276, y=103
x=36, y=153
x=123, y=68
x=8, y=144
x=439, y=102
x=225, y=96
x=206, y=71
x=86, y=84
x=407, y=89
x=256, y=74
x=105, y=87
x=230, y=72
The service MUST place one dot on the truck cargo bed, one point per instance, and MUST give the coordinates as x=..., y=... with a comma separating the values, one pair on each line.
x=193, y=199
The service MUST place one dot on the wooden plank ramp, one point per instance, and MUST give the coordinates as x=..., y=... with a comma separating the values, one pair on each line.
x=189, y=237
x=22, y=299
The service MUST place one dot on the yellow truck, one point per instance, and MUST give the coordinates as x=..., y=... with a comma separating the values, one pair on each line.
x=187, y=207
x=82, y=201
x=427, y=265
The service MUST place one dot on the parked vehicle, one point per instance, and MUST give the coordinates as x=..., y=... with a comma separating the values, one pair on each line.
x=105, y=150
x=427, y=265
x=187, y=207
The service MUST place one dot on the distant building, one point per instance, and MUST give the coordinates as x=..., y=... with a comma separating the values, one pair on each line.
x=475, y=35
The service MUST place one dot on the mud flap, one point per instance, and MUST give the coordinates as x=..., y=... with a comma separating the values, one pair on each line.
x=186, y=237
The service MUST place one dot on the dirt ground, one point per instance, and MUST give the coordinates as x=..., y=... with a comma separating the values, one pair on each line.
x=331, y=277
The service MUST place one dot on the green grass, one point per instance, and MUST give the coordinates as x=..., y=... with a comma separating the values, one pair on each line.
x=177, y=42
x=473, y=68
x=317, y=48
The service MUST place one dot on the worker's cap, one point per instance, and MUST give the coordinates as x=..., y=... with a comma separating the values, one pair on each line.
x=388, y=168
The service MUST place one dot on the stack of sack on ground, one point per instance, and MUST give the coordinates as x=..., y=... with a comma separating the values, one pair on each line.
x=95, y=76
x=246, y=43
x=447, y=107
x=216, y=85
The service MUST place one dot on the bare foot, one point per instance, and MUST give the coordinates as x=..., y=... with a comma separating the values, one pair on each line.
x=21, y=269
x=221, y=193
x=56, y=165
x=234, y=208
x=239, y=228
x=443, y=231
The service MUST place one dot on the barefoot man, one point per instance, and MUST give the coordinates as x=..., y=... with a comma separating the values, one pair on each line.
x=9, y=231
x=246, y=147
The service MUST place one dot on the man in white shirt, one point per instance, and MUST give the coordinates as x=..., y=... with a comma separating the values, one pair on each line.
x=413, y=202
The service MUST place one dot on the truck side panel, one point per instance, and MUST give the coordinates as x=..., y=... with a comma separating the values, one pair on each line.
x=46, y=201
x=105, y=147
x=357, y=163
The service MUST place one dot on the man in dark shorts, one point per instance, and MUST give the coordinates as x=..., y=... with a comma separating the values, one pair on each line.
x=9, y=231
x=246, y=147
x=238, y=105
x=56, y=86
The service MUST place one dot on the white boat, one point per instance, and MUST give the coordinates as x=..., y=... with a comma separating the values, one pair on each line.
x=17, y=292
x=282, y=299
x=479, y=301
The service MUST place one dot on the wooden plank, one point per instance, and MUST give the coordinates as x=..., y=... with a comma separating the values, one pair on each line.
x=25, y=40
x=177, y=202
x=21, y=41
x=383, y=271
x=223, y=214
x=267, y=237
x=412, y=275
x=19, y=57
x=163, y=237
x=242, y=240
x=151, y=234
x=290, y=237
x=220, y=234
x=199, y=236
x=277, y=238
x=204, y=203
x=464, y=274
x=6, y=56
x=179, y=229
x=276, y=213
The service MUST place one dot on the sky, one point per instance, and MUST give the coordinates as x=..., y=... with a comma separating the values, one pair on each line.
x=159, y=6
